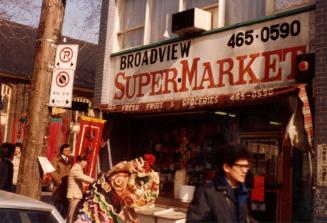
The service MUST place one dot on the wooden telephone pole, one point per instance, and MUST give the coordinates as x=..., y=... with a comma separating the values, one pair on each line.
x=49, y=32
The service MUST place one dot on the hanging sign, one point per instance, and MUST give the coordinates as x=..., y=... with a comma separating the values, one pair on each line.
x=66, y=56
x=62, y=88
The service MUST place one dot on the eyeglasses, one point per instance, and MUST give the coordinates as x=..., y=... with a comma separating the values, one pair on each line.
x=242, y=166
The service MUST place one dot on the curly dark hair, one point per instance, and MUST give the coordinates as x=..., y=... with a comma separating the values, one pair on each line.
x=229, y=154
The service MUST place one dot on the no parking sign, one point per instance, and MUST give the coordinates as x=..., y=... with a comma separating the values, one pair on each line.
x=66, y=56
x=62, y=88
x=61, y=93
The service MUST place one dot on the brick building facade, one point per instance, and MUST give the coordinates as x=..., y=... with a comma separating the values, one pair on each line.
x=320, y=91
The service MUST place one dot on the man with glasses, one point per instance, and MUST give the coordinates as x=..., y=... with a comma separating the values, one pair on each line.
x=224, y=199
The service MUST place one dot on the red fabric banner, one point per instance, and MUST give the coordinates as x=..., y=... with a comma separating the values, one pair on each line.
x=55, y=134
x=0, y=129
x=89, y=141
x=13, y=133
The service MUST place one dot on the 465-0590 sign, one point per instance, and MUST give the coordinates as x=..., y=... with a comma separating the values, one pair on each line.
x=266, y=33
x=261, y=93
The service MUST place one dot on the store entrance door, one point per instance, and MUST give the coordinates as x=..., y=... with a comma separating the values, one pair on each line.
x=269, y=179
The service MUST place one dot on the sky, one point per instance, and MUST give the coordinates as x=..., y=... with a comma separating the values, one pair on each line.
x=79, y=22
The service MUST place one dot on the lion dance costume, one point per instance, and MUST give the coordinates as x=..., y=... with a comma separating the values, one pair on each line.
x=128, y=185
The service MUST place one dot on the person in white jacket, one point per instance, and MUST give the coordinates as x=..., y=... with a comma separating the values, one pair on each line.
x=76, y=178
x=16, y=162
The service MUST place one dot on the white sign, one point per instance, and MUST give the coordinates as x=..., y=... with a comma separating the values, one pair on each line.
x=260, y=56
x=66, y=56
x=322, y=167
x=61, y=88
x=45, y=164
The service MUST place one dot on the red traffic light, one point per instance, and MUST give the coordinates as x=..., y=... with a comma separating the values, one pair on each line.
x=303, y=66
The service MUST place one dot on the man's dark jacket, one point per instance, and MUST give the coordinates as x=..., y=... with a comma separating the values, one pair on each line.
x=216, y=202
x=6, y=175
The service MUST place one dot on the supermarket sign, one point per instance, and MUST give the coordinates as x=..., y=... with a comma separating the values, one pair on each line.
x=246, y=63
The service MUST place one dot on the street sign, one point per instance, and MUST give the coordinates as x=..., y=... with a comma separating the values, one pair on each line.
x=66, y=56
x=61, y=88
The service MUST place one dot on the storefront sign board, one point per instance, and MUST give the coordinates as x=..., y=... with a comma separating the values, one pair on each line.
x=239, y=64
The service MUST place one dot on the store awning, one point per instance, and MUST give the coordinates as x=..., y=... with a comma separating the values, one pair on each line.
x=299, y=131
x=201, y=103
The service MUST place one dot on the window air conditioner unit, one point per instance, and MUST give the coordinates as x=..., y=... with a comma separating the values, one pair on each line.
x=191, y=21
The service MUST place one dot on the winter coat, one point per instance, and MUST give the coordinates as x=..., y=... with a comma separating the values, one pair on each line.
x=6, y=175
x=216, y=202
x=76, y=178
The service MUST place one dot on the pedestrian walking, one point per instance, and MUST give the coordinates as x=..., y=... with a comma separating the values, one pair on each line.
x=6, y=166
x=62, y=164
x=224, y=199
x=76, y=178
x=16, y=162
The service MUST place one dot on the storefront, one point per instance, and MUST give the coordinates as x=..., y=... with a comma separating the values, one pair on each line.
x=182, y=99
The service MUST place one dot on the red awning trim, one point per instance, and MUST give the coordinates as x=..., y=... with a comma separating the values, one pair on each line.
x=197, y=103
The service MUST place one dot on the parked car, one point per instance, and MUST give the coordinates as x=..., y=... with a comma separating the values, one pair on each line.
x=16, y=208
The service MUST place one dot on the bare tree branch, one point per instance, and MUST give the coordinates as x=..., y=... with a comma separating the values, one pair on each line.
x=82, y=17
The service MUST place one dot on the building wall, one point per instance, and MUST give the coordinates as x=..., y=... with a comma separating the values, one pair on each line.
x=107, y=33
x=105, y=46
x=320, y=127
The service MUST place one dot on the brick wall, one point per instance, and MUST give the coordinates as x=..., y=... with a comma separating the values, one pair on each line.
x=107, y=22
x=320, y=120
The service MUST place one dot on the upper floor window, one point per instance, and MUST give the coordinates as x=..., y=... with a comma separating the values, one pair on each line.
x=148, y=21
x=243, y=10
x=207, y=5
x=131, y=18
x=287, y=4
x=161, y=17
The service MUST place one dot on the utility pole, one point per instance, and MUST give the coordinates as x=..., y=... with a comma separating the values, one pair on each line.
x=49, y=32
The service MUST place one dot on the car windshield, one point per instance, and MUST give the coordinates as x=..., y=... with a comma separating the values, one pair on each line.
x=25, y=216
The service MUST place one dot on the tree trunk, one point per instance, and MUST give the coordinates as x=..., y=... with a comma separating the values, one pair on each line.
x=35, y=143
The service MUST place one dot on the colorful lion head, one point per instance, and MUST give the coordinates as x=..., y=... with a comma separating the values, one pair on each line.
x=128, y=184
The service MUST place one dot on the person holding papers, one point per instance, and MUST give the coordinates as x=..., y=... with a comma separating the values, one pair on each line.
x=62, y=165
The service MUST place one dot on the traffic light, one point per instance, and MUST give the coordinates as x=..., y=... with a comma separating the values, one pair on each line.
x=305, y=67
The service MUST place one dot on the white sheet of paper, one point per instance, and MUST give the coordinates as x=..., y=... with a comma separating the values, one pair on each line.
x=46, y=165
